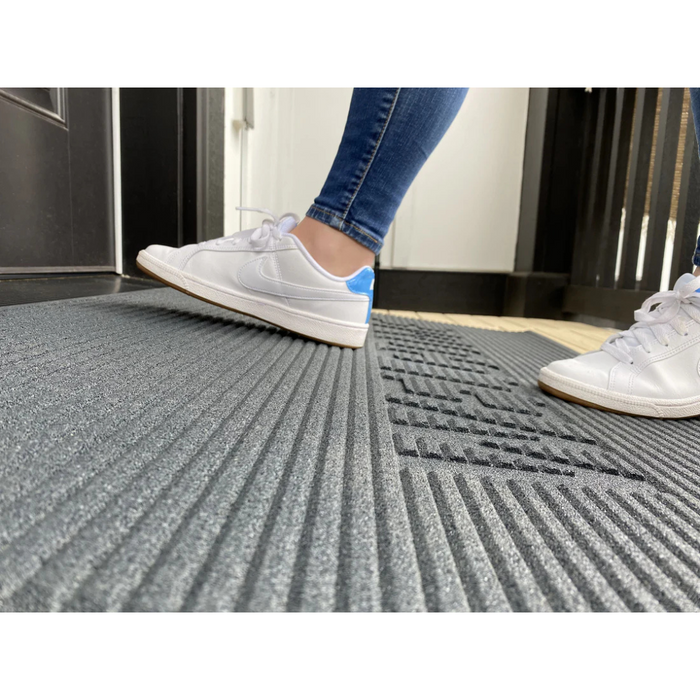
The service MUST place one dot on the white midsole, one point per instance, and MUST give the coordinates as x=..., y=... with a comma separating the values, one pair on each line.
x=636, y=405
x=336, y=332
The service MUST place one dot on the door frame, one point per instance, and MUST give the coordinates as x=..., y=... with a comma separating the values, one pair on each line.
x=171, y=169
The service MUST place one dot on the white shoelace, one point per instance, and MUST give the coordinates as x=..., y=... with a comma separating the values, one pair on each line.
x=674, y=309
x=270, y=227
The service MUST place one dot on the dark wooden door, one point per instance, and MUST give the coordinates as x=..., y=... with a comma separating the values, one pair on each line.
x=56, y=184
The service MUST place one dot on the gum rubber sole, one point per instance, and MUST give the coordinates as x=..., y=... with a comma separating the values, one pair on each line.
x=152, y=274
x=583, y=402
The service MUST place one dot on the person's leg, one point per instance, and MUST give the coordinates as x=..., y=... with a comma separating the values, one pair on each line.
x=389, y=134
x=316, y=278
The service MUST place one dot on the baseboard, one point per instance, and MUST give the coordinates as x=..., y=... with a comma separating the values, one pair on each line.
x=37, y=289
x=614, y=304
x=535, y=294
x=441, y=292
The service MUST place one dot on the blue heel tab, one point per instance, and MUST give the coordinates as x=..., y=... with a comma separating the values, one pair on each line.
x=363, y=283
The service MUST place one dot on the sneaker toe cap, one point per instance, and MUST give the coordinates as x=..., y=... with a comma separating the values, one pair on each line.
x=592, y=369
x=160, y=252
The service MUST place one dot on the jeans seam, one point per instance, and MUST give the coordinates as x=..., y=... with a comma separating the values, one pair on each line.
x=345, y=222
x=374, y=153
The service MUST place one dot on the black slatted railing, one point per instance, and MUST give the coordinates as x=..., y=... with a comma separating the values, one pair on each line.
x=633, y=158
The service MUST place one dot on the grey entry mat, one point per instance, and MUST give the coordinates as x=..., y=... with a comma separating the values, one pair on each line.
x=159, y=453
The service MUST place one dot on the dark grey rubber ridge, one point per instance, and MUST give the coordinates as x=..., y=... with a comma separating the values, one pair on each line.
x=159, y=453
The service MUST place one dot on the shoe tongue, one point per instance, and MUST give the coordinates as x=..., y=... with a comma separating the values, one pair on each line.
x=287, y=224
x=687, y=278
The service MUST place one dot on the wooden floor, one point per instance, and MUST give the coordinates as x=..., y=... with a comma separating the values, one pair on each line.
x=578, y=336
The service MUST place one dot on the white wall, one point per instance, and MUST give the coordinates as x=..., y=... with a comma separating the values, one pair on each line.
x=461, y=213
x=288, y=153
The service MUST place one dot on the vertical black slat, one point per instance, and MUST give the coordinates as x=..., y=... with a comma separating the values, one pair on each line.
x=557, y=219
x=643, y=136
x=688, y=206
x=580, y=243
x=535, y=177
x=551, y=179
x=546, y=181
x=188, y=172
x=662, y=185
x=598, y=183
x=619, y=158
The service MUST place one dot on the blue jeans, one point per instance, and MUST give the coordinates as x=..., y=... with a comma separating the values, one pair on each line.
x=389, y=134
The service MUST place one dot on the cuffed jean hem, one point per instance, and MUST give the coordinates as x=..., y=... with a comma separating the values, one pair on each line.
x=696, y=257
x=336, y=221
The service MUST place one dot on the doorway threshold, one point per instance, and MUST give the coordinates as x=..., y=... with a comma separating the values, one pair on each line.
x=37, y=288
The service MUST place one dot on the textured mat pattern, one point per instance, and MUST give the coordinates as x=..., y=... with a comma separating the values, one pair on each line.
x=158, y=453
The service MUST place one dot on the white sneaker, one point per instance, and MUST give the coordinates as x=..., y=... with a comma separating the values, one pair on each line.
x=267, y=273
x=653, y=369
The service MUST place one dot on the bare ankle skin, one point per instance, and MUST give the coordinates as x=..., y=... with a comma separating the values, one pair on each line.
x=696, y=272
x=331, y=249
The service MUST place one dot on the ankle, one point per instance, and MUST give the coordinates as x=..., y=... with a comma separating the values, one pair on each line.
x=332, y=249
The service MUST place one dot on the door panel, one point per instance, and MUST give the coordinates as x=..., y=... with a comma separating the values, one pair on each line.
x=56, y=195
x=47, y=101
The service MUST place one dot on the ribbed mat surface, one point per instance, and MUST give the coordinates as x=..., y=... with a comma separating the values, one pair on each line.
x=158, y=453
